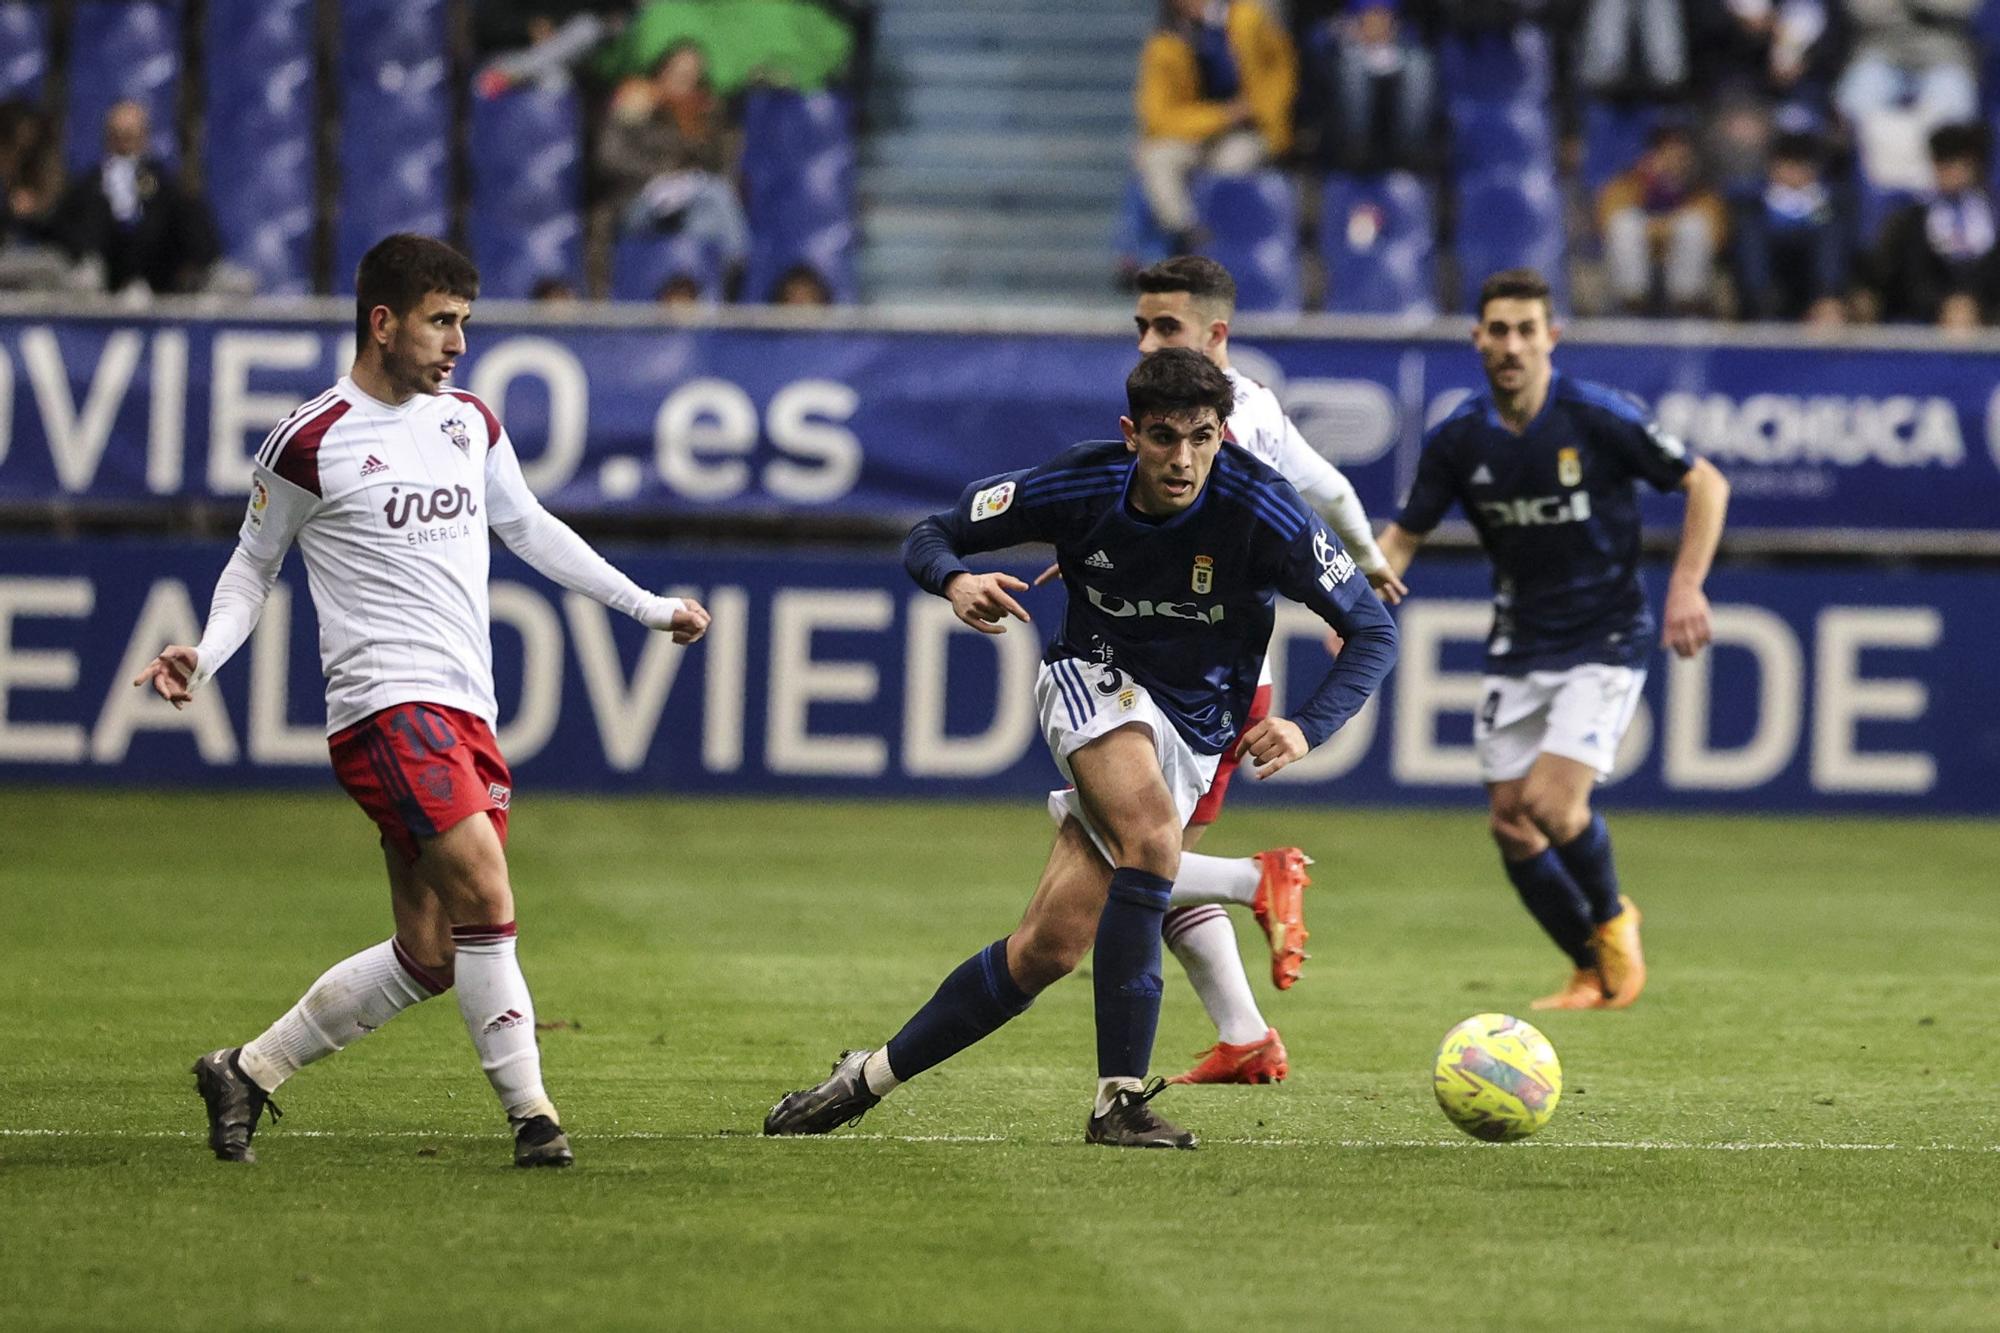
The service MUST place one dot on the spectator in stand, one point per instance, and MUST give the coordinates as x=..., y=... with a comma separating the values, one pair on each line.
x=1379, y=98
x=1661, y=227
x=130, y=220
x=31, y=179
x=802, y=285
x=1216, y=86
x=1937, y=262
x=668, y=155
x=1919, y=52
x=540, y=42
x=553, y=291
x=1789, y=246
x=1769, y=47
x=1608, y=64
x=680, y=290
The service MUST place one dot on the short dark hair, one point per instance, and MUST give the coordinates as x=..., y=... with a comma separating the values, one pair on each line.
x=399, y=271
x=1202, y=279
x=1515, y=284
x=1959, y=143
x=1797, y=146
x=1175, y=380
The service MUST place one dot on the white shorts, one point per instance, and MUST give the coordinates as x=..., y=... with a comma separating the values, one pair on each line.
x=1080, y=701
x=1580, y=713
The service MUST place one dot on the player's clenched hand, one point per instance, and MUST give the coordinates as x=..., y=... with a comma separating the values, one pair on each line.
x=1272, y=744
x=1051, y=572
x=170, y=673
x=1688, y=629
x=1388, y=587
x=982, y=600
x=690, y=622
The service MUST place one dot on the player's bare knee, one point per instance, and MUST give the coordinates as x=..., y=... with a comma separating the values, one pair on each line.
x=1047, y=949
x=1515, y=833
x=1558, y=814
x=1153, y=846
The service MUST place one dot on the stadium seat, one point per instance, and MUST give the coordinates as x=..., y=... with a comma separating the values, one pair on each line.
x=24, y=50
x=1498, y=67
x=1253, y=230
x=395, y=123
x=119, y=52
x=1139, y=240
x=262, y=132
x=1510, y=224
x=1614, y=134
x=644, y=262
x=1499, y=139
x=798, y=187
x=1377, y=238
x=524, y=224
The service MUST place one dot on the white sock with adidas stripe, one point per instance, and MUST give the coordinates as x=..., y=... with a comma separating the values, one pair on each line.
x=500, y=1018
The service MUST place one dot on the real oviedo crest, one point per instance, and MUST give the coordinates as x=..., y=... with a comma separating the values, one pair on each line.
x=1204, y=574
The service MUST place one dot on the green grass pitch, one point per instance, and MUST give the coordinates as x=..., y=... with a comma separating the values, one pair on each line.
x=1798, y=1127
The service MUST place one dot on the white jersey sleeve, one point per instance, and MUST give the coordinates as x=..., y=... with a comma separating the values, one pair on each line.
x=554, y=548
x=276, y=512
x=1259, y=424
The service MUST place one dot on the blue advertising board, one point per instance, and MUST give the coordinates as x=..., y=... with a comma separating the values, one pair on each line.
x=637, y=419
x=1848, y=689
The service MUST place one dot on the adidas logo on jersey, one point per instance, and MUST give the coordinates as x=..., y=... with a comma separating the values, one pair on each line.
x=1481, y=477
x=372, y=465
x=1099, y=560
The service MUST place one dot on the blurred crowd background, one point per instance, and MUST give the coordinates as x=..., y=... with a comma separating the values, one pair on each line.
x=1824, y=161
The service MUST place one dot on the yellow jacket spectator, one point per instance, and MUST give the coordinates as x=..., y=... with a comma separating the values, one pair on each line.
x=1215, y=91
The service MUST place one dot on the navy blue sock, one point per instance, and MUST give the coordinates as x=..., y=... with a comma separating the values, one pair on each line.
x=1587, y=857
x=1556, y=903
x=1126, y=972
x=974, y=1001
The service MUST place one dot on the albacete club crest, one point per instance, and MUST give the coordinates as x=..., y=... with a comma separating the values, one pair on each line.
x=455, y=429
x=1204, y=574
x=1569, y=468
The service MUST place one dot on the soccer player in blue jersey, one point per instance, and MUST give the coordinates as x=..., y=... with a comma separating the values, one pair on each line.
x=1172, y=546
x=1546, y=467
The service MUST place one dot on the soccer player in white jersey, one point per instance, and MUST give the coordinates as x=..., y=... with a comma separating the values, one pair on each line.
x=389, y=482
x=1188, y=301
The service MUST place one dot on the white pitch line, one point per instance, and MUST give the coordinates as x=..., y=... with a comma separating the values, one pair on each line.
x=1543, y=1145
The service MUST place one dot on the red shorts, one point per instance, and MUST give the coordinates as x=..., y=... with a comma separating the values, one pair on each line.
x=1210, y=804
x=418, y=769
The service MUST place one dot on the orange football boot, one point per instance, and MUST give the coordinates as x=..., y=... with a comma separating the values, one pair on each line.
x=1584, y=991
x=1619, y=958
x=1260, y=1061
x=1279, y=906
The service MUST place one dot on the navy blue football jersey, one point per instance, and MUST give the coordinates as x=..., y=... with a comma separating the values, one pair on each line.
x=1557, y=509
x=1182, y=605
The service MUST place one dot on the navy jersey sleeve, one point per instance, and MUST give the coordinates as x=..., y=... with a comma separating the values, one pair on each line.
x=989, y=516
x=1318, y=573
x=1646, y=450
x=1432, y=494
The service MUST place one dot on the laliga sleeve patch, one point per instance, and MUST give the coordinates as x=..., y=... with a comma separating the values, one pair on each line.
x=993, y=501
x=260, y=499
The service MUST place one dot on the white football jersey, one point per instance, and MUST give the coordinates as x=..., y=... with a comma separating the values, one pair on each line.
x=1259, y=425
x=390, y=508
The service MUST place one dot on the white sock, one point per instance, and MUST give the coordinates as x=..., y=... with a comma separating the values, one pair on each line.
x=1215, y=879
x=500, y=1017
x=1205, y=942
x=1107, y=1088
x=876, y=1074
x=350, y=1000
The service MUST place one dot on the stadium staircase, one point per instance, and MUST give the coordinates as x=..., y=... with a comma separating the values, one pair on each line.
x=998, y=150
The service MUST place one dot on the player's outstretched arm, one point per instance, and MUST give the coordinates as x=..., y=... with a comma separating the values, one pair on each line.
x=1399, y=548
x=277, y=511
x=170, y=672
x=563, y=557
x=984, y=600
x=1688, y=629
